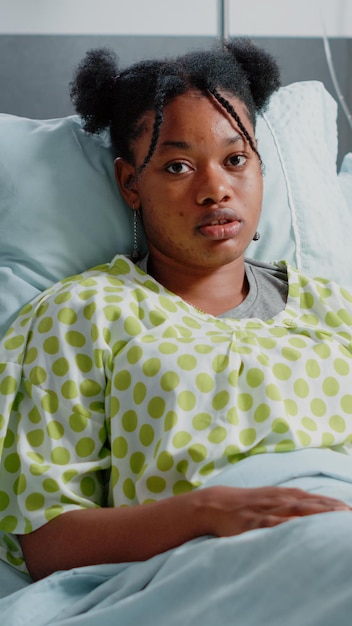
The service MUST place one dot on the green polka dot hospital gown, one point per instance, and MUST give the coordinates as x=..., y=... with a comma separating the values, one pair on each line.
x=114, y=391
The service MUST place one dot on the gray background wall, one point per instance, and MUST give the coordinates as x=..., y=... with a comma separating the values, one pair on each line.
x=35, y=70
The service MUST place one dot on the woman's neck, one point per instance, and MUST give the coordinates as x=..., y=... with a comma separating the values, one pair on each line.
x=211, y=291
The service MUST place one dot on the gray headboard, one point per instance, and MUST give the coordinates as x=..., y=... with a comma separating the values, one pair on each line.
x=35, y=69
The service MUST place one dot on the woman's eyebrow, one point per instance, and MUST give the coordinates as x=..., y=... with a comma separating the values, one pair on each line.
x=234, y=139
x=185, y=145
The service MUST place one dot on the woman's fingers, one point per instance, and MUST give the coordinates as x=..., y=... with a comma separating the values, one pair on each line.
x=308, y=507
x=236, y=510
x=295, y=501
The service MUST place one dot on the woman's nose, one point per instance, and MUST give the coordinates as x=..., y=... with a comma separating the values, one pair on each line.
x=213, y=186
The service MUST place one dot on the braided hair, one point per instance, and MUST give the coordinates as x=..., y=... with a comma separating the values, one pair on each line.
x=107, y=97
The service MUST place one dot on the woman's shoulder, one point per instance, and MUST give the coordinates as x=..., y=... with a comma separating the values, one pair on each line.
x=318, y=296
x=111, y=276
x=77, y=296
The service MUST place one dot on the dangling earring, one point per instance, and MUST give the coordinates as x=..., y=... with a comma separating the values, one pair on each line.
x=135, y=254
x=256, y=236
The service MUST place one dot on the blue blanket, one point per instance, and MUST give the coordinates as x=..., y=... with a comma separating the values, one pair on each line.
x=296, y=574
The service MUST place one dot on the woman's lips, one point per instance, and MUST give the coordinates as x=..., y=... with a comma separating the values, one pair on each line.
x=219, y=224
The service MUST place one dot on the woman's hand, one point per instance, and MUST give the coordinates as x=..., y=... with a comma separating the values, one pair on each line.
x=113, y=535
x=231, y=511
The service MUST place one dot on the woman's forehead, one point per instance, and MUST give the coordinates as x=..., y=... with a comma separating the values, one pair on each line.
x=193, y=107
x=193, y=118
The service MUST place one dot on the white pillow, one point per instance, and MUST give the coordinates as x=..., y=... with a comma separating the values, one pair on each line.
x=345, y=179
x=61, y=212
x=305, y=217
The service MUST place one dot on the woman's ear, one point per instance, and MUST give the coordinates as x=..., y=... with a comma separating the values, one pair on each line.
x=125, y=175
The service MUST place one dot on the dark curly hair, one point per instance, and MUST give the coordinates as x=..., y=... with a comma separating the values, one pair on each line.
x=105, y=96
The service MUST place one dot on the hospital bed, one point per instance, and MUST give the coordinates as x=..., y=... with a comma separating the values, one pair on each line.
x=60, y=213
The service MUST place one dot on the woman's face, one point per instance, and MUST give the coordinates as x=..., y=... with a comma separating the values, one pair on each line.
x=201, y=192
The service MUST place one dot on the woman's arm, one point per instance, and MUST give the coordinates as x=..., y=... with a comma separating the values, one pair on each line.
x=112, y=535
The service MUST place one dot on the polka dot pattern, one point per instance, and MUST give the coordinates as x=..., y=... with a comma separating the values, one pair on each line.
x=119, y=375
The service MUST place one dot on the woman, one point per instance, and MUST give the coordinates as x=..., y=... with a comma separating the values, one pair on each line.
x=134, y=384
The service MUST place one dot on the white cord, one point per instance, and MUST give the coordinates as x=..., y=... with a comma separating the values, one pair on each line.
x=331, y=67
x=290, y=197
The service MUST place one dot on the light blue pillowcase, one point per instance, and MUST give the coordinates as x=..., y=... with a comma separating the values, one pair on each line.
x=61, y=212
x=60, y=209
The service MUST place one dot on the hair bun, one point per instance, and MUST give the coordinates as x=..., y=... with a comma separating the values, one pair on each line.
x=93, y=86
x=261, y=69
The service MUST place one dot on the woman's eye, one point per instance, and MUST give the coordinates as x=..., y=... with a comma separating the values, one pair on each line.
x=238, y=160
x=177, y=168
